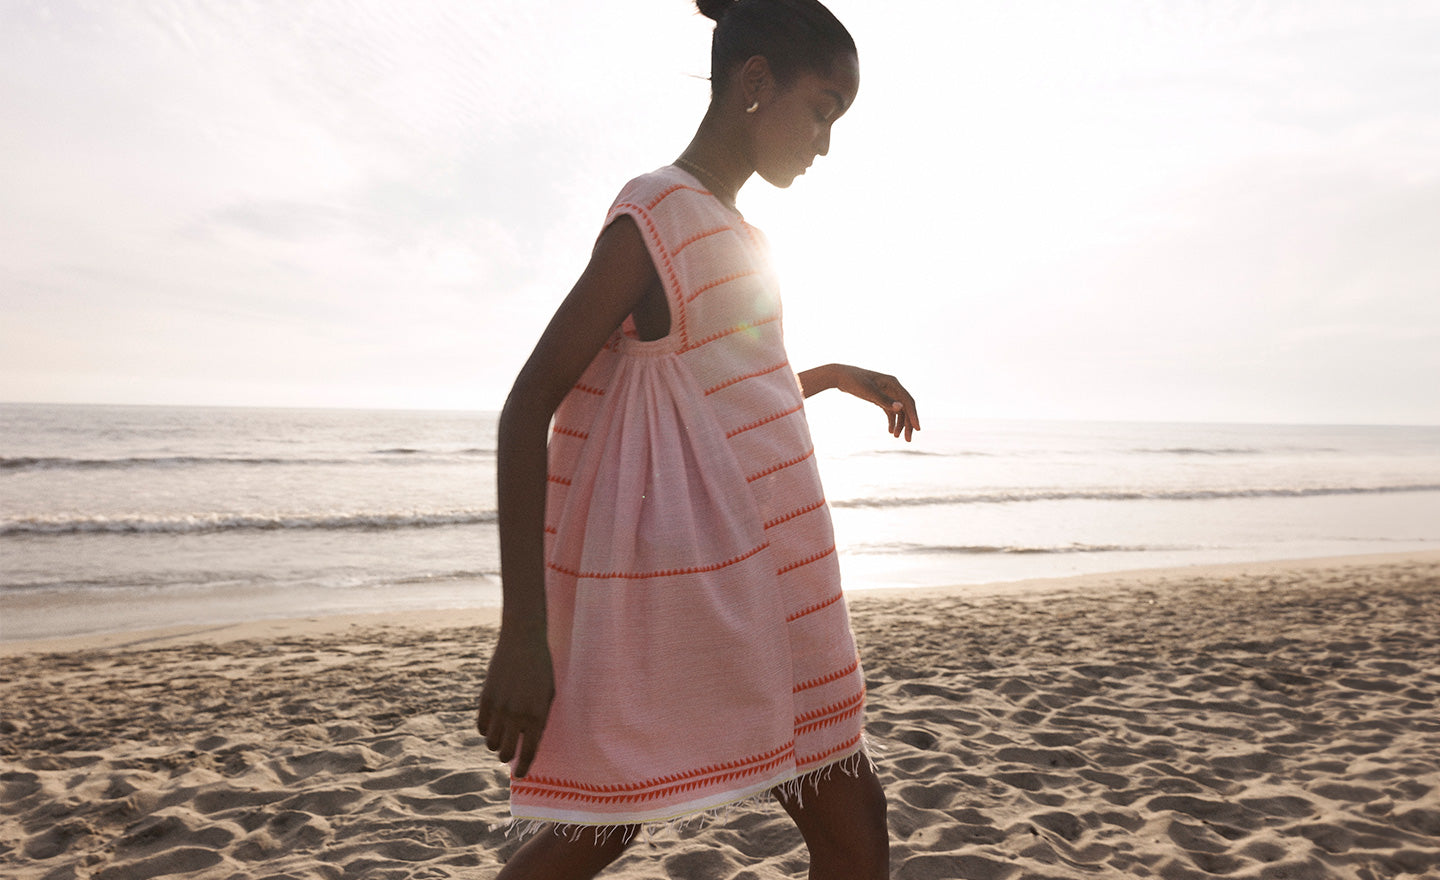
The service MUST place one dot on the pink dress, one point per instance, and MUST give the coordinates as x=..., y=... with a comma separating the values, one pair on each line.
x=702, y=648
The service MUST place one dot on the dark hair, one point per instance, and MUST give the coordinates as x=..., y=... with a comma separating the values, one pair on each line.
x=795, y=36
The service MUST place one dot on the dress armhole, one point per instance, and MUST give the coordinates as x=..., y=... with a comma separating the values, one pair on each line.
x=664, y=265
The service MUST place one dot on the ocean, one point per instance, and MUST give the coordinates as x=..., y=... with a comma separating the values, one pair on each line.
x=117, y=518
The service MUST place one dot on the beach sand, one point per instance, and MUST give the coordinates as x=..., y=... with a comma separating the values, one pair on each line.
x=1265, y=721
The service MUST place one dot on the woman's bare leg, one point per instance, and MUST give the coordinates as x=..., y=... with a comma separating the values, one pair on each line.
x=551, y=856
x=843, y=823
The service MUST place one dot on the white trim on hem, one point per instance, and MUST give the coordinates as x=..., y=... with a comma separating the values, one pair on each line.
x=789, y=783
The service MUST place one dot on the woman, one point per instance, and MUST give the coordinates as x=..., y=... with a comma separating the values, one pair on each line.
x=673, y=637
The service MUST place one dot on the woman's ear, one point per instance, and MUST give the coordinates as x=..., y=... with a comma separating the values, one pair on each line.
x=757, y=83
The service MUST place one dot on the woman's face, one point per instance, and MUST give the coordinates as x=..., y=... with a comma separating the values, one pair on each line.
x=793, y=127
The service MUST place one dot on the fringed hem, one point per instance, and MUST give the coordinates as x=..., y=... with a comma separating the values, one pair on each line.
x=792, y=789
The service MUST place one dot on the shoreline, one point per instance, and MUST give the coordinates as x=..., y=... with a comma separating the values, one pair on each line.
x=323, y=625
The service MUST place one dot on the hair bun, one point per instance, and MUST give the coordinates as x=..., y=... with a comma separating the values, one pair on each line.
x=714, y=9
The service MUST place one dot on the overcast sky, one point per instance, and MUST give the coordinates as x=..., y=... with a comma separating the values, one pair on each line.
x=1137, y=210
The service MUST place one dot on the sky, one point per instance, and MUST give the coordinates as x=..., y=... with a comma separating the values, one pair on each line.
x=1168, y=210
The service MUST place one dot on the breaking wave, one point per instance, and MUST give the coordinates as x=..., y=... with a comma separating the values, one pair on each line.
x=239, y=522
x=1017, y=496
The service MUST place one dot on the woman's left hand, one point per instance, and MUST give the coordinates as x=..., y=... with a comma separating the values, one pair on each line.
x=886, y=392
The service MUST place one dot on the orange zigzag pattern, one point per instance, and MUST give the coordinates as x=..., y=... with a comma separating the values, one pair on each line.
x=651, y=789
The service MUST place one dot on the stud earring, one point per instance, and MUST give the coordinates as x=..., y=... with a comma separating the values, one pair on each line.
x=753, y=107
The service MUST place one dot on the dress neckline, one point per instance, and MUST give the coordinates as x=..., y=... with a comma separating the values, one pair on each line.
x=729, y=209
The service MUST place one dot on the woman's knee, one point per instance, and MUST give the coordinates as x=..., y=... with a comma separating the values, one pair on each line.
x=867, y=843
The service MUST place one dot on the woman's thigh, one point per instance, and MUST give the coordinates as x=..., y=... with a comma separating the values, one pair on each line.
x=552, y=856
x=842, y=818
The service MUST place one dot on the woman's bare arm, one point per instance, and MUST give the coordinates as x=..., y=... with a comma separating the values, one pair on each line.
x=883, y=390
x=515, y=701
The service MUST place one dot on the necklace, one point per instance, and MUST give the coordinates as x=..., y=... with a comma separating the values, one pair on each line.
x=708, y=177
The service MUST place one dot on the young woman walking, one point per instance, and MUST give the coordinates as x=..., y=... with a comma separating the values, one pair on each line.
x=674, y=639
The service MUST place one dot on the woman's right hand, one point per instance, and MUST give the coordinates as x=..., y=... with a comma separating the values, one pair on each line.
x=515, y=700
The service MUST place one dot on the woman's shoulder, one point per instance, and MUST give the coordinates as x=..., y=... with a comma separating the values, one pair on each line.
x=647, y=188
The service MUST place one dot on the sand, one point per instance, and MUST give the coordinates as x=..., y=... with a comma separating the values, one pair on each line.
x=1275, y=721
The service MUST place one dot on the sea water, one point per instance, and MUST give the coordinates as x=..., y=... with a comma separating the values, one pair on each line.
x=115, y=517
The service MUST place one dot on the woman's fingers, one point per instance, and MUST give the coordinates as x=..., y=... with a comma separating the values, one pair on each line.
x=909, y=417
x=495, y=733
x=514, y=737
x=508, y=742
x=515, y=700
x=901, y=410
x=906, y=421
x=510, y=734
x=483, y=713
x=528, y=744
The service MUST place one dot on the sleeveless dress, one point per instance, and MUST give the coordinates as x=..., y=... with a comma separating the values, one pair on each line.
x=701, y=643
